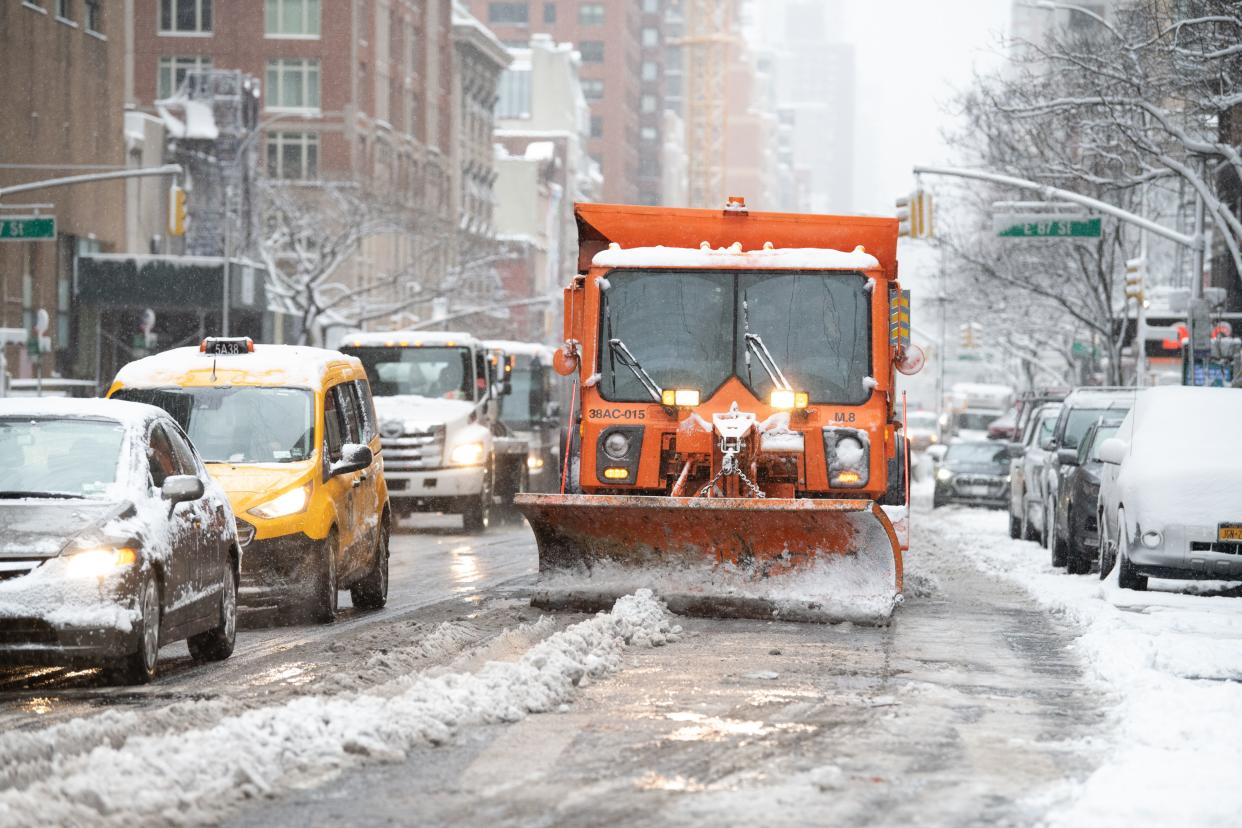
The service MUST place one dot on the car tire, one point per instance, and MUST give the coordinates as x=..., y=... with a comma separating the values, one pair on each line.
x=1028, y=529
x=477, y=515
x=1015, y=527
x=1105, y=554
x=217, y=644
x=371, y=593
x=1127, y=577
x=323, y=600
x=1055, y=545
x=140, y=667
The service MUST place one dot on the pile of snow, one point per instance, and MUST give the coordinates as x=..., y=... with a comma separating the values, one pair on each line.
x=1172, y=662
x=195, y=777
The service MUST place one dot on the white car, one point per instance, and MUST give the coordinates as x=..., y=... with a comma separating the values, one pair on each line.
x=1171, y=488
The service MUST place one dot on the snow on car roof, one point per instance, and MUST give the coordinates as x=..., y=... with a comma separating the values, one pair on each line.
x=416, y=339
x=128, y=414
x=1087, y=395
x=1189, y=418
x=282, y=364
x=803, y=258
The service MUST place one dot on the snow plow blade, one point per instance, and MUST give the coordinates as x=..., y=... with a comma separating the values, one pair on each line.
x=806, y=560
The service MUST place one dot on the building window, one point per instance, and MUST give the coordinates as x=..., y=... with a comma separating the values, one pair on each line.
x=591, y=14
x=172, y=72
x=513, y=100
x=94, y=17
x=293, y=155
x=648, y=104
x=292, y=84
x=651, y=6
x=593, y=89
x=597, y=126
x=592, y=51
x=185, y=16
x=293, y=18
x=648, y=134
x=651, y=38
x=64, y=9
x=512, y=13
x=651, y=70
x=549, y=12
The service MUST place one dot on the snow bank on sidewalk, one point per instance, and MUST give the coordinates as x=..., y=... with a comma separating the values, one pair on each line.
x=1171, y=661
x=196, y=776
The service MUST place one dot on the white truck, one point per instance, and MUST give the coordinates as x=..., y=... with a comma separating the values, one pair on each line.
x=444, y=448
x=972, y=406
x=534, y=410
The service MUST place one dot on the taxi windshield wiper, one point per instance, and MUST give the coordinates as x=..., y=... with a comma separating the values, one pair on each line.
x=617, y=349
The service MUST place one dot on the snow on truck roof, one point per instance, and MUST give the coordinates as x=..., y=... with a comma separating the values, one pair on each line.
x=509, y=346
x=407, y=339
x=734, y=257
x=282, y=364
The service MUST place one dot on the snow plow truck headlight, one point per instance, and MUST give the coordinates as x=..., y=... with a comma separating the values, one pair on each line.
x=679, y=397
x=848, y=457
x=789, y=400
x=617, y=445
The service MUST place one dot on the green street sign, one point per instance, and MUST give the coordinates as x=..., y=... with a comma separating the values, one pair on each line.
x=1047, y=227
x=27, y=228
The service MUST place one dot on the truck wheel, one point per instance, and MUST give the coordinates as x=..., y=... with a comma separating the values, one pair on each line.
x=323, y=598
x=477, y=515
x=371, y=593
x=895, y=494
x=217, y=643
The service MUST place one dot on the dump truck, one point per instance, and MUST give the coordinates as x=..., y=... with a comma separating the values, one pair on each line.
x=734, y=419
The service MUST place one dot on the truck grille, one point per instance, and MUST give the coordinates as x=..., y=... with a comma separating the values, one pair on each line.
x=413, y=452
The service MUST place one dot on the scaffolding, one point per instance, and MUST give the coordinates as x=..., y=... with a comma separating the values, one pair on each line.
x=708, y=48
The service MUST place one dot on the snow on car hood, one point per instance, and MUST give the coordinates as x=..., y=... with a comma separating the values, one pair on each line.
x=1203, y=492
x=41, y=529
x=422, y=413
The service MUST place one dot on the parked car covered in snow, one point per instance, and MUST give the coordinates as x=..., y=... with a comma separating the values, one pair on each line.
x=1026, y=474
x=975, y=473
x=1079, y=497
x=1082, y=408
x=113, y=539
x=1171, y=488
x=922, y=429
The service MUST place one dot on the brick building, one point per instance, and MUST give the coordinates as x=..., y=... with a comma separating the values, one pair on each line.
x=63, y=69
x=609, y=35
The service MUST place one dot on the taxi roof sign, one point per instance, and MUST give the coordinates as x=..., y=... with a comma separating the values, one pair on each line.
x=224, y=345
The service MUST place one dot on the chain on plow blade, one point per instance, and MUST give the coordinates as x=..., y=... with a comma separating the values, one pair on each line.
x=730, y=466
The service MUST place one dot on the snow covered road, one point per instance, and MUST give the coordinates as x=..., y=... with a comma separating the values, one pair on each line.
x=1002, y=694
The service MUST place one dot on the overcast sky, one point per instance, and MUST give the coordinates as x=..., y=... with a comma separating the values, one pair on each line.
x=911, y=55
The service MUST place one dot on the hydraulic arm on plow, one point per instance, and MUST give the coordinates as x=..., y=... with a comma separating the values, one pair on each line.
x=736, y=413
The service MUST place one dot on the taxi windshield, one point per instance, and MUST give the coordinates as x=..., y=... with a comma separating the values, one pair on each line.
x=443, y=372
x=240, y=424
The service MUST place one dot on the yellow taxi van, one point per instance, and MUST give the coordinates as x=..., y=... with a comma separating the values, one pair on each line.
x=290, y=434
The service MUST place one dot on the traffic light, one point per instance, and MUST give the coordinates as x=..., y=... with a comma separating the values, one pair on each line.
x=1135, y=271
x=971, y=334
x=176, y=211
x=914, y=214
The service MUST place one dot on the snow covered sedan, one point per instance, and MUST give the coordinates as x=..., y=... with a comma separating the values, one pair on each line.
x=113, y=539
x=974, y=473
x=1079, y=497
x=1171, y=488
x=1026, y=474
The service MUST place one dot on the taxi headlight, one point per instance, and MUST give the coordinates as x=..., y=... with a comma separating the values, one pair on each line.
x=467, y=454
x=98, y=563
x=289, y=503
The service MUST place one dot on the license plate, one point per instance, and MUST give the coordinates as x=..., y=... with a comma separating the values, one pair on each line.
x=1229, y=532
x=976, y=491
x=397, y=485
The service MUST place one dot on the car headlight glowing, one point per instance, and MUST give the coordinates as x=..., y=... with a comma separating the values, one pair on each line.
x=99, y=563
x=467, y=454
x=617, y=445
x=944, y=475
x=534, y=462
x=289, y=503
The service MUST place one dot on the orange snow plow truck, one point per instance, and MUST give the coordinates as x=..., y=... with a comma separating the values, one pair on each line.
x=734, y=438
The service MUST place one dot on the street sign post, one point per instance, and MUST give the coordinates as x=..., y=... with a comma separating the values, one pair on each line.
x=27, y=228
x=1046, y=226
